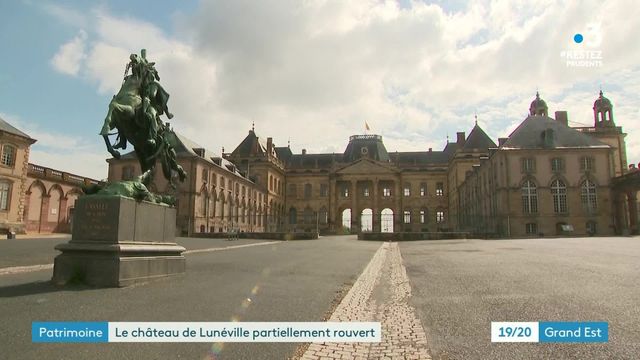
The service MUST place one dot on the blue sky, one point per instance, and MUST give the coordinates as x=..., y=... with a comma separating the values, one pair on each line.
x=314, y=71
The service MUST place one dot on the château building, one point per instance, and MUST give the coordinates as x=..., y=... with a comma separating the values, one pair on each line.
x=33, y=198
x=546, y=178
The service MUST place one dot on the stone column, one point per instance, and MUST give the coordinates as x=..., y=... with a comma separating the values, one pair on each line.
x=633, y=212
x=355, y=214
x=44, y=213
x=375, y=213
x=620, y=222
x=62, y=216
x=398, y=214
x=332, y=211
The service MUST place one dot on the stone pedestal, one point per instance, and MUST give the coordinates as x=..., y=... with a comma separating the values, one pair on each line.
x=117, y=241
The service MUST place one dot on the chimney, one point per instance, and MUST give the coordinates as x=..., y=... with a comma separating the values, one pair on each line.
x=269, y=145
x=501, y=141
x=304, y=151
x=460, y=140
x=562, y=117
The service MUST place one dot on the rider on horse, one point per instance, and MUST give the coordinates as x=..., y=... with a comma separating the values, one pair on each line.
x=135, y=112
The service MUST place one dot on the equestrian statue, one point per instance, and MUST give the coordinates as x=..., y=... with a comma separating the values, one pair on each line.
x=134, y=112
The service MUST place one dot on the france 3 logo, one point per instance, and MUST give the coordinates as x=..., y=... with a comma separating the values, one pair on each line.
x=585, y=48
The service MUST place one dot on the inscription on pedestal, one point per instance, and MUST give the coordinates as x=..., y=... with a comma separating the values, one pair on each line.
x=102, y=218
x=96, y=219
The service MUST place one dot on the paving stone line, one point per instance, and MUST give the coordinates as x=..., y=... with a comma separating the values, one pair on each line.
x=196, y=251
x=23, y=269
x=402, y=334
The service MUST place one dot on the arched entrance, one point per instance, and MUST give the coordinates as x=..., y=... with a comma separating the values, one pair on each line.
x=386, y=221
x=346, y=220
x=366, y=220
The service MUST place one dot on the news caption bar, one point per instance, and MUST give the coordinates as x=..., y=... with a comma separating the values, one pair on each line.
x=102, y=332
x=550, y=332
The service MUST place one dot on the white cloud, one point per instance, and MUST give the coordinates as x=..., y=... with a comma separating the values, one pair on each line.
x=65, y=14
x=70, y=55
x=314, y=71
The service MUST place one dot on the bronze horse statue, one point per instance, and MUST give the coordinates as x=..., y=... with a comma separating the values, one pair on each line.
x=137, y=120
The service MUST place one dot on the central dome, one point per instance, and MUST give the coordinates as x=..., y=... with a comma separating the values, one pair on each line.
x=370, y=146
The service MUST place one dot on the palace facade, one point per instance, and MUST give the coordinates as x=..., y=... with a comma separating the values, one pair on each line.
x=546, y=178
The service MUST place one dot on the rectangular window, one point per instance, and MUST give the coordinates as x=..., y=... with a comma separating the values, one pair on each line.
x=587, y=163
x=324, y=190
x=439, y=216
x=407, y=190
x=528, y=165
x=557, y=164
x=8, y=155
x=407, y=216
x=365, y=192
x=439, y=189
x=345, y=191
x=386, y=191
x=423, y=189
x=423, y=216
x=531, y=228
x=4, y=196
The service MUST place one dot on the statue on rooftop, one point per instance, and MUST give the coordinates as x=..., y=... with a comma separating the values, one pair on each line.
x=135, y=114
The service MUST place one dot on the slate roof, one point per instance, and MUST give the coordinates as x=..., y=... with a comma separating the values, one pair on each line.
x=309, y=161
x=251, y=145
x=6, y=127
x=530, y=134
x=284, y=153
x=187, y=147
x=478, y=139
x=420, y=157
x=449, y=149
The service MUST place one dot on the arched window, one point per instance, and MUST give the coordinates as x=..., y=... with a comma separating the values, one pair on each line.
x=559, y=193
x=529, y=197
x=589, y=196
